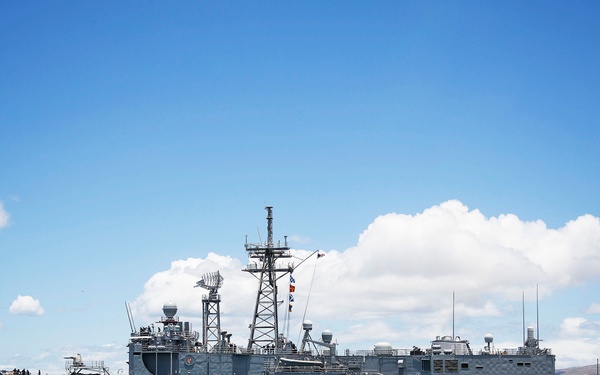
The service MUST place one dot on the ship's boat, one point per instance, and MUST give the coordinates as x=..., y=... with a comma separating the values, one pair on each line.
x=178, y=350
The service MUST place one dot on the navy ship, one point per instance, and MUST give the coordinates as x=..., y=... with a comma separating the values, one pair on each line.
x=178, y=350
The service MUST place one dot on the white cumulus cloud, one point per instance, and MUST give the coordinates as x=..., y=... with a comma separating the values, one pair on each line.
x=396, y=283
x=577, y=341
x=3, y=216
x=26, y=305
x=177, y=285
x=580, y=327
x=594, y=308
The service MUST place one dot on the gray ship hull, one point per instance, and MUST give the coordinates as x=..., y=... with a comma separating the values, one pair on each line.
x=159, y=363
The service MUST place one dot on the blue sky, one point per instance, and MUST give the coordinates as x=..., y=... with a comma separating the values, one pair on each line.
x=134, y=135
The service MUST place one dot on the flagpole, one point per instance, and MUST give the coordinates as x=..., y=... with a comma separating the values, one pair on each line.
x=289, y=309
x=287, y=315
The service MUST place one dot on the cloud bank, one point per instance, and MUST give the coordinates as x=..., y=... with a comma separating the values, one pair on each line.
x=396, y=283
x=26, y=305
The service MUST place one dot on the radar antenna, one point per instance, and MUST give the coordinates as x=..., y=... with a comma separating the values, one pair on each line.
x=211, y=317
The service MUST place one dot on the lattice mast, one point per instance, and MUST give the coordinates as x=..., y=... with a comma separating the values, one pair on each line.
x=211, y=316
x=264, y=330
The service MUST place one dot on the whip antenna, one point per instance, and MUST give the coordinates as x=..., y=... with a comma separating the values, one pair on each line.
x=130, y=317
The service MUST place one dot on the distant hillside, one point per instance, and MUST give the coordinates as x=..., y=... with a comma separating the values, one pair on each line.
x=583, y=370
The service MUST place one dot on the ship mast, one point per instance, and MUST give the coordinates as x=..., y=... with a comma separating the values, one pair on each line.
x=264, y=330
x=211, y=315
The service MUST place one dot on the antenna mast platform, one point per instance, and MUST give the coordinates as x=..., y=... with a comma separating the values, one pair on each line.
x=264, y=329
x=211, y=310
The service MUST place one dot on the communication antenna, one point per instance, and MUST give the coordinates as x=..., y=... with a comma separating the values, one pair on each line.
x=523, y=307
x=452, y=315
x=211, y=315
x=130, y=317
x=264, y=330
x=537, y=311
x=259, y=237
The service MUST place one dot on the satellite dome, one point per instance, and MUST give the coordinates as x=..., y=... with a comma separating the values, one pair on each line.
x=383, y=348
x=488, y=338
x=170, y=309
x=307, y=325
x=327, y=335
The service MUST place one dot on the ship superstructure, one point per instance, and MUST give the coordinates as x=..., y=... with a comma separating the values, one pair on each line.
x=175, y=349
